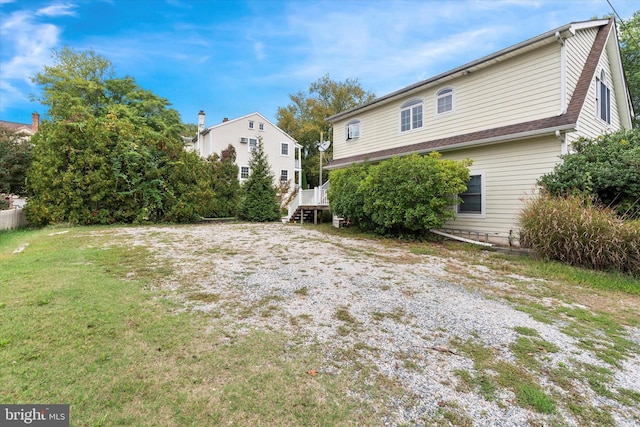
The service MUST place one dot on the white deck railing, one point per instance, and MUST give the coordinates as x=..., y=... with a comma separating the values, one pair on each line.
x=314, y=197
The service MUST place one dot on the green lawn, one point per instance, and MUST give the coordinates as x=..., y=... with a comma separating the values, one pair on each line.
x=76, y=328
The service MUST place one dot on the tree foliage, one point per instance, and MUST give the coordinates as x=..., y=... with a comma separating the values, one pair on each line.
x=630, y=50
x=112, y=151
x=607, y=167
x=303, y=119
x=401, y=196
x=259, y=195
x=15, y=157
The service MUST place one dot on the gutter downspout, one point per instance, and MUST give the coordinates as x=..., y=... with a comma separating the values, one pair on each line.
x=563, y=74
x=564, y=147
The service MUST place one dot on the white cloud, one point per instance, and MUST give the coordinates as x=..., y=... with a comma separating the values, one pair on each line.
x=57, y=10
x=26, y=48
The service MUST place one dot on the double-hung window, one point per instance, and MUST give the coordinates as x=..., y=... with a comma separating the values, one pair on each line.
x=250, y=124
x=253, y=143
x=284, y=149
x=353, y=129
x=244, y=172
x=472, y=199
x=284, y=175
x=603, y=98
x=444, y=101
x=411, y=115
x=260, y=126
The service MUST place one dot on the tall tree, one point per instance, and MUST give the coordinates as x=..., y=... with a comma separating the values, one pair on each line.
x=630, y=49
x=112, y=151
x=259, y=195
x=15, y=157
x=303, y=119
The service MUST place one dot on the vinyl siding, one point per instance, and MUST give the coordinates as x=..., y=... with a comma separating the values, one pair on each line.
x=577, y=48
x=522, y=88
x=511, y=171
x=589, y=124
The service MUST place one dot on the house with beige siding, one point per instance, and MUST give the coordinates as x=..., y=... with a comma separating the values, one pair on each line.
x=243, y=134
x=513, y=113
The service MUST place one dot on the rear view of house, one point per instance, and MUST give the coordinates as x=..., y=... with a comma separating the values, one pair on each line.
x=513, y=113
x=243, y=134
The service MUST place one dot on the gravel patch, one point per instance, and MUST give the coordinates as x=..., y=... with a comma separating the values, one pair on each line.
x=396, y=312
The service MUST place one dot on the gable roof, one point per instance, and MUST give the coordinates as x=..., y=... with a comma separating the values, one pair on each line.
x=245, y=117
x=562, y=122
x=17, y=127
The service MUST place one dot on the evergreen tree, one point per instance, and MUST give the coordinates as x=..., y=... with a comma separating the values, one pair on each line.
x=259, y=195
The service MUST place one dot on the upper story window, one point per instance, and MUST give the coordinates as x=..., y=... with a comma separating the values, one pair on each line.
x=353, y=129
x=444, y=101
x=260, y=126
x=603, y=98
x=284, y=148
x=251, y=124
x=253, y=143
x=411, y=115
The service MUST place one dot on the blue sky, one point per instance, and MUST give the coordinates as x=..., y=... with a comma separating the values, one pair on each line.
x=231, y=58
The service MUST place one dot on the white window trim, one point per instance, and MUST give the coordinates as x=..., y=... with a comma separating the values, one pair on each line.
x=483, y=196
x=453, y=101
x=261, y=127
x=288, y=150
x=351, y=122
x=248, y=171
x=410, y=108
x=249, y=144
x=251, y=124
x=599, y=80
x=284, y=170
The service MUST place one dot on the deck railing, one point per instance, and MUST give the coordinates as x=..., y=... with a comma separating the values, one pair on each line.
x=314, y=197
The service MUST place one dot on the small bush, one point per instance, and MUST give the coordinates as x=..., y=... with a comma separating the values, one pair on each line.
x=577, y=231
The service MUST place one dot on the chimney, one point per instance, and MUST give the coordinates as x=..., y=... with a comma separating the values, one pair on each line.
x=35, y=121
x=226, y=119
x=200, y=121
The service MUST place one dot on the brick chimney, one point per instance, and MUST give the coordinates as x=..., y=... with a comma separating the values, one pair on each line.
x=200, y=121
x=226, y=119
x=35, y=121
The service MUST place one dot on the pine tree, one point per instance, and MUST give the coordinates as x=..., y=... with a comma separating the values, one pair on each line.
x=259, y=201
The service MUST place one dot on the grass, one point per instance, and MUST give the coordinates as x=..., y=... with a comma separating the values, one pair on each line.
x=81, y=323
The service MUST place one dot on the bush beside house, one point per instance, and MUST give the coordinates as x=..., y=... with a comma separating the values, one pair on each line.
x=402, y=196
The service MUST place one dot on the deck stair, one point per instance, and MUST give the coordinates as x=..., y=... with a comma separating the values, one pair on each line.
x=307, y=203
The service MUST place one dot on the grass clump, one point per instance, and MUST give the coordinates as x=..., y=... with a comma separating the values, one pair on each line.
x=577, y=231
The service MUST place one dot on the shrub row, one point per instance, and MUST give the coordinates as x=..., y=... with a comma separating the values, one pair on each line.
x=577, y=231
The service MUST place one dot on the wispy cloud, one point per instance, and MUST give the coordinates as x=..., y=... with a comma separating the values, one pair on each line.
x=27, y=41
x=57, y=10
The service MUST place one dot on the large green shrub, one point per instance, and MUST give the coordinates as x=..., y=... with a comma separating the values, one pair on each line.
x=577, y=231
x=607, y=167
x=345, y=197
x=402, y=196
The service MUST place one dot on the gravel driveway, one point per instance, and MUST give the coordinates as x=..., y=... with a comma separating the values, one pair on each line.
x=402, y=312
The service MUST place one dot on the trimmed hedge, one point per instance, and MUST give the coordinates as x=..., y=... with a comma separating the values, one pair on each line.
x=577, y=231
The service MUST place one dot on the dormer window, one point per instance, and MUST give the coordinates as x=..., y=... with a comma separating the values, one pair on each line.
x=444, y=101
x=353, y=129
x=411, y=115
x=603, y=98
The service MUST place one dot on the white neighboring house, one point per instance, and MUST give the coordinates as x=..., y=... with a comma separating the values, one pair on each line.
x=283, y=152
